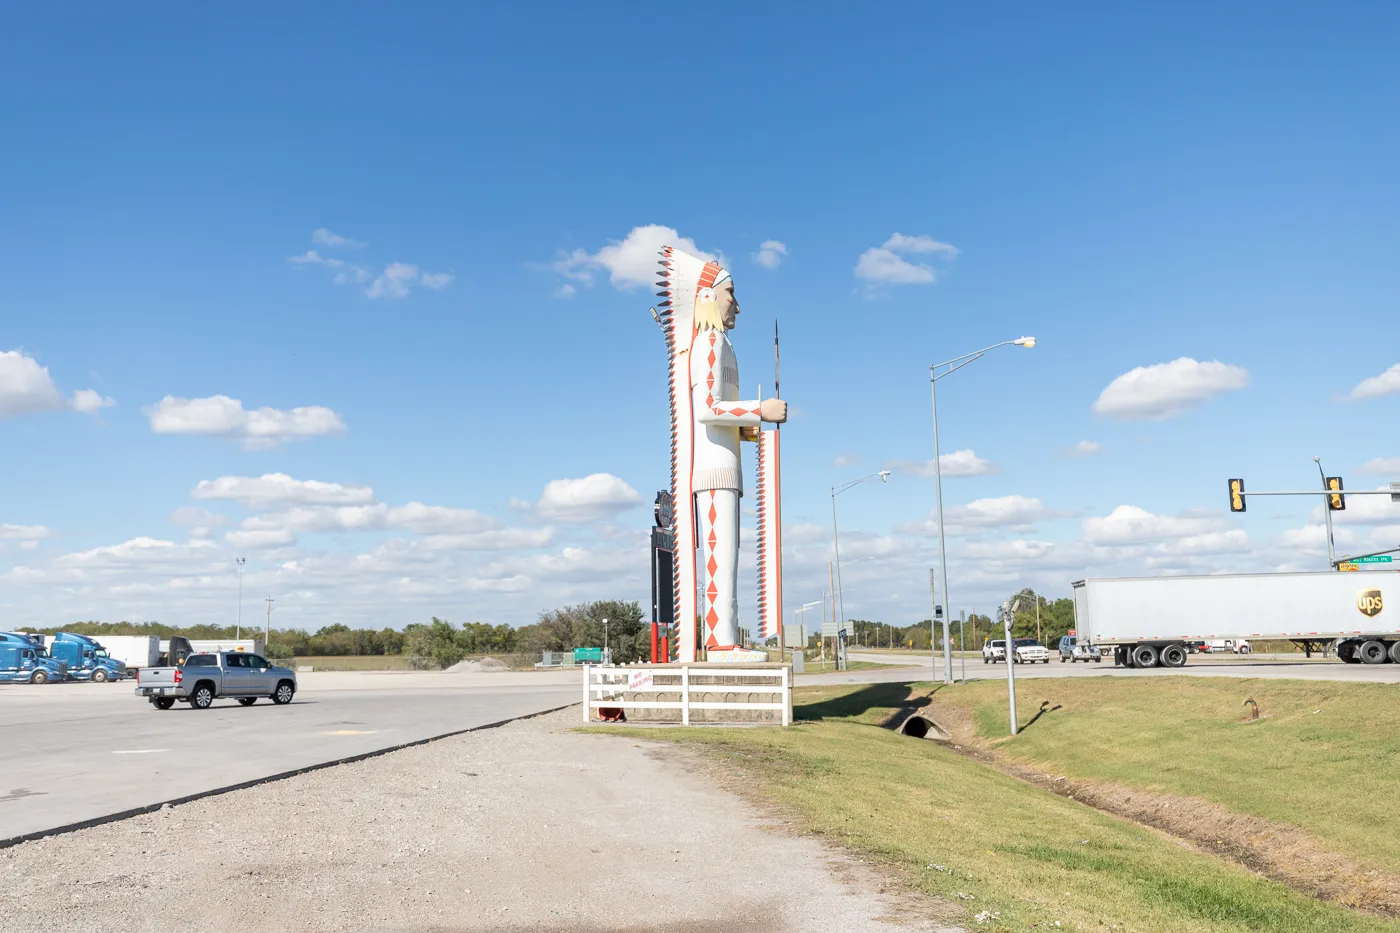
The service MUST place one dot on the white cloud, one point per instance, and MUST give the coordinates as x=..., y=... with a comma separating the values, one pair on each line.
x=323, y=237
x=1165, y=390
x=1084, y=449
x=770, y=254
x=630, y=263
x=1014, y=512
x=1128, y=524
x=394, y=281
x=1387, y=383
x=257, y=429
x=24, y=532
x=27, y=388
x=886, y=264
x=258, y=540
x=595, y=497
x=843, y=460
x=1382, y=466
x=437, y=281
x=957, y=463
x=89, y=401
x=1364, y=510
x=280, y=489
x=377, y=516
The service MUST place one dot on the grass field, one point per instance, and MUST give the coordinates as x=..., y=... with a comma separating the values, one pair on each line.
x=1021, y=857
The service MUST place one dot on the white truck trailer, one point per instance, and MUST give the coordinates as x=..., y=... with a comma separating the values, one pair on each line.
x=135, y=651
x=1147, y=621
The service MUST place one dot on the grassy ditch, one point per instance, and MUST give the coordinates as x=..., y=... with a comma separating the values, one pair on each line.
x=986, y=843
x=1322, y=757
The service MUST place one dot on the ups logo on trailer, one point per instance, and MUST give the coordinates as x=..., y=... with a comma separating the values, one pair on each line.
x=1370, y=603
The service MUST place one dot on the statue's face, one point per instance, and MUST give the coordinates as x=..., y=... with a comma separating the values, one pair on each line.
x=728, y=304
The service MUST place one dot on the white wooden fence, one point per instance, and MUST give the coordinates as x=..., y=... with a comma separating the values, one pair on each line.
x=729, y=687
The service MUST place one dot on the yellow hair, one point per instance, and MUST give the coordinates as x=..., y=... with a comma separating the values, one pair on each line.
x=707, y=316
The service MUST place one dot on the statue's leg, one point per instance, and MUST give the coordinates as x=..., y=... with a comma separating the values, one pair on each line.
x=719, y=549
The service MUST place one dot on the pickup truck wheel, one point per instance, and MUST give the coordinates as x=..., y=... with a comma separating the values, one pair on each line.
x=203, y=697
x=1096, y=660
x=99, y=677
x=1372, y=652
x=1062, y=659
x=284, y=694
x=39, y=677
x=162, y=702
x=247, y=701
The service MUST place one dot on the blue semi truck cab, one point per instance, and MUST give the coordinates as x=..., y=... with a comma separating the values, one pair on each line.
x=86, y=658
x=54, y=670
x=23, y=662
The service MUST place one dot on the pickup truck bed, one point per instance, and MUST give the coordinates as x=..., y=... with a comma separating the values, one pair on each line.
x=205, y=677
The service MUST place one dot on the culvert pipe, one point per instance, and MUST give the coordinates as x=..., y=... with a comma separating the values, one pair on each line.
x=921, y=727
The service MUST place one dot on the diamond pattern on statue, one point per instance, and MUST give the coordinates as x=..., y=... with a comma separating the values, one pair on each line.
x=711, y=618
x=711, y=566
x=712, y=592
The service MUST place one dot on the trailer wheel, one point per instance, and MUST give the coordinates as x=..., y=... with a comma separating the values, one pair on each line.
x=1346, y=652
x=1395, y=652
x=1174, y=656
x=1144, y=656
x=1372, y=652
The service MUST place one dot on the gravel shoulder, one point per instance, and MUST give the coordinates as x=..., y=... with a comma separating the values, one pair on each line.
x=528, y=826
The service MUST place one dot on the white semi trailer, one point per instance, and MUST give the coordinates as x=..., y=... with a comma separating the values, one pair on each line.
x=1147, y=621
x=134, y=651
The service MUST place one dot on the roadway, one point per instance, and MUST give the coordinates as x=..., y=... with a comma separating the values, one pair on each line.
x=81, y=751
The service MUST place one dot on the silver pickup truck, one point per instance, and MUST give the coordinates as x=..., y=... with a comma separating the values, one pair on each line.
x=204, y=678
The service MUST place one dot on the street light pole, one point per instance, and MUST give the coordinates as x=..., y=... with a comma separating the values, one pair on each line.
x=1010, y=662
x=1327, y=514
x=837, y=596
x=955, y=364
x=238, y=631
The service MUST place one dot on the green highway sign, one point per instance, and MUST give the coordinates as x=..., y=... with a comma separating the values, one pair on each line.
x=1373, y=559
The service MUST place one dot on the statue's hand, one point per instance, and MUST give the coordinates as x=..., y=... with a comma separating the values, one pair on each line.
x=773, y=409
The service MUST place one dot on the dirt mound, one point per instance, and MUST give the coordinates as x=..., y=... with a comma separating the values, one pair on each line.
x=482, y=666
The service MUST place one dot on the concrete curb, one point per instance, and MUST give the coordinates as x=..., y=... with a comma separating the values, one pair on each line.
x=282, y=776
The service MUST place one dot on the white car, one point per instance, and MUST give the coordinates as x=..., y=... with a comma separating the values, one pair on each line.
x=1029, y=651
x=993, y=650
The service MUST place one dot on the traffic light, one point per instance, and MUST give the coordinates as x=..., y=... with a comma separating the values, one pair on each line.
x=1338, y=502
x=1236, y=495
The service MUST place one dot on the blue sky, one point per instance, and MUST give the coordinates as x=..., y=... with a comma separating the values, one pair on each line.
x=1131, y=187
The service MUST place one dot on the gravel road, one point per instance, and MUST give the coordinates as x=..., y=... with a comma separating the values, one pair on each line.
x=524, y=827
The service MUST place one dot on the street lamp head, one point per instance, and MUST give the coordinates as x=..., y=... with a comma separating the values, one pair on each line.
x=884, y=476
x=1024, y=342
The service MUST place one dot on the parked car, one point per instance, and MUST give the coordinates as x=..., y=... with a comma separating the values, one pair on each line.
x=1072, y=650
x=205, y=677
x=993, y=650
x=1029, y=651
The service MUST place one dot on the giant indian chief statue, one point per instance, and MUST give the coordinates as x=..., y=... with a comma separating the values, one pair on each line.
x=709, y=419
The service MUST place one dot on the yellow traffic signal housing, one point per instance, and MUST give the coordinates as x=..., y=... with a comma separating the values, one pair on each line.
x=1338, y=502
x=1236, y=495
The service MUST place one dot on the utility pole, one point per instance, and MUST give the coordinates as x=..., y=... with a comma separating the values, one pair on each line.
x=267, y=629
x=962, y=640
x=238, y=630
x=1006, y=612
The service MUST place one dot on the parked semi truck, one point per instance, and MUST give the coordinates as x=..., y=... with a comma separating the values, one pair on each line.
x=86, y=658
x=23, y=660
x=1151, y=621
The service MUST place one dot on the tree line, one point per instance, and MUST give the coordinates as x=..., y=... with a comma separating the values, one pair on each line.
x=437, y=642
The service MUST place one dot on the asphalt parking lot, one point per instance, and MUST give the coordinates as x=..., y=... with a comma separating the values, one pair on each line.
x=79, y=751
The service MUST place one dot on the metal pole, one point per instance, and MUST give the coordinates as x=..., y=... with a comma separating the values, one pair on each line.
x=962, y=640
x=1010, y=664
x=238, y=631
x=1327, y=514
x=942, y=544
x=836, y=545
x=1037, y=618
x=267, y=630
x=933, y=624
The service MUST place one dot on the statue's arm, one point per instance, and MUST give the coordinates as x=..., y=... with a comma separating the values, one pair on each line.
x=705, y=381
